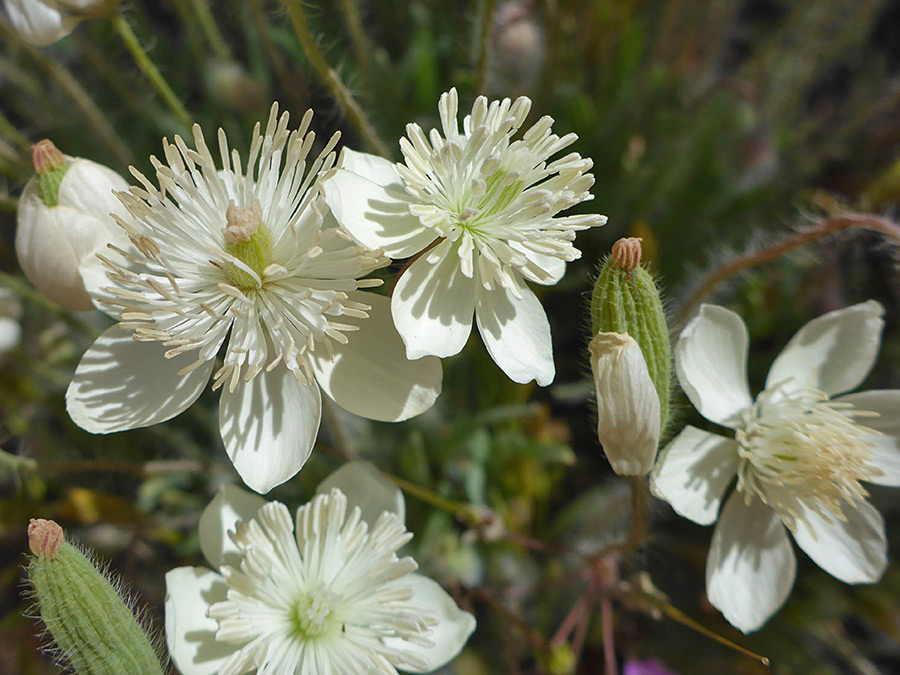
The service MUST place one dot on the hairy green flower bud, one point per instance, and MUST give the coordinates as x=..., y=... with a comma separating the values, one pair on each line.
x=92, y=627
x=626, y=301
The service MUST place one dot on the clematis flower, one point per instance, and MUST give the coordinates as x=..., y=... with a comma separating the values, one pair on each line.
x=801, y=453
x=327, y=595
x=43, y=22
x=483, y=207
x=65, y=217
x=248, y=255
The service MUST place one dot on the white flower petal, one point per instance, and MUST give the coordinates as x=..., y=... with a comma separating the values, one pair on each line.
x=366, y=487
x=230, y=505
x=123, y=384
x=854, y=551
x=269, y=426
x=38, y=23
x=711, y=362
x=693, y=472
x=375, y=215
x=832, y=353
x=433, y=305
x=90, y=187
x=751, y=565
x=190, y=634
x=449, y=636
x=377, y=169
x=886, y=445
x=627, y=404
x=370, y=376
x=516, y=333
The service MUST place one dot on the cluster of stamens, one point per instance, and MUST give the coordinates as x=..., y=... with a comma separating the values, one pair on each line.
x=804, y=451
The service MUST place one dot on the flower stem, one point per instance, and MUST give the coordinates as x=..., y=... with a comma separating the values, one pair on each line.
x=680, y=617
x=123, y=28
x=820, y=230
x=458, y=509
x=213, y=34
x=609, y=647
x=330, y=78
x=484, y=42
x=361, y=46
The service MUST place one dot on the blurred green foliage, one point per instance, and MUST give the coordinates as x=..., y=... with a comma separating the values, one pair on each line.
x=715, y=127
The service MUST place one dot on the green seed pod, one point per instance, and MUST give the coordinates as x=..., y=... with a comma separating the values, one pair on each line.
x=92, y=627
x=50, y=167
x=626, y=300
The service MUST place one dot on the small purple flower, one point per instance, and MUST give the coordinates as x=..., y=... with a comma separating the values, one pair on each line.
x=651, y=667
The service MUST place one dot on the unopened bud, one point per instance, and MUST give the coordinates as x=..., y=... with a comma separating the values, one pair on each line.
x=64, y=218
x=626, y=301
x=628, y=419
x=93, y=629
x=44, y=537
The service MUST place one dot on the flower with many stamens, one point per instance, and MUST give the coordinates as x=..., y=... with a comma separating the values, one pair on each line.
x=326, y=593
x=244, y=259
x=481, y=204
x=799, y=454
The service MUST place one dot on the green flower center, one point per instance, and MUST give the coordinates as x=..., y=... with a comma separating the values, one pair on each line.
x=247, y=239
x=314, y=613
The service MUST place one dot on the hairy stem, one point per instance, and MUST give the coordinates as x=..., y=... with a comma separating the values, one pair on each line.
x=213, y=34
x=484, y=43
x=151, y=72
x=330, y=78
x=820, y=230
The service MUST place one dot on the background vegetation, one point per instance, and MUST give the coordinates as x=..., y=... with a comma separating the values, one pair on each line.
x=719, y=129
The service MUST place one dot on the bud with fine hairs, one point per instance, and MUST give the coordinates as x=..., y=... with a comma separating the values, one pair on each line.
x=43, y=22
x=93, y=630
x=631, y=360
x=64, y=219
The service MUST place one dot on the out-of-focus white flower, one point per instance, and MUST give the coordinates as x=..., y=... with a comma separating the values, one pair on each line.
x=485, y=207
x=800, y=457
x=43, y=22
x=10, y=313
x=64, y=218
x=249, y=254
x=627, y=404
x=329, y=595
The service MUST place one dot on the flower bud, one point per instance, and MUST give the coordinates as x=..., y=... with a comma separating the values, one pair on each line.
x=65, y=218
x=627, y=404
x=43, y=22
x=93, y=629
x=626, y=301
x=231, y=85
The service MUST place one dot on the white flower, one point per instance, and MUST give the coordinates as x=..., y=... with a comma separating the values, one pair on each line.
x=485, y=207
x=627, y=404
x=246, y=253
x=43, y=22
x=799, y=455
x=327, y=597
x=52, y=241
x=10, y=313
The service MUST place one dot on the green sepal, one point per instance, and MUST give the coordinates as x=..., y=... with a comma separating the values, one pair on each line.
x=628, y=302
x=48, y=183
x=92, y=627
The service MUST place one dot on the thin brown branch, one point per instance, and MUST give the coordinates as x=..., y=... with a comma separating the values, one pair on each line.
x=820, y=230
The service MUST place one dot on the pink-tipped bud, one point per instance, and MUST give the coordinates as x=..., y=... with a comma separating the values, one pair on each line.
x=44, y=537
x=46, y=157
x=626, y=253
